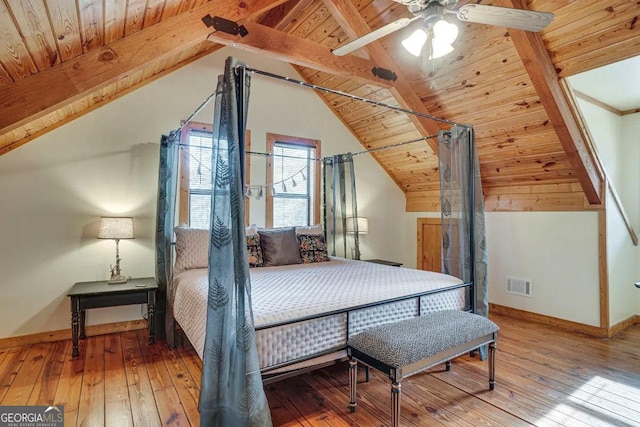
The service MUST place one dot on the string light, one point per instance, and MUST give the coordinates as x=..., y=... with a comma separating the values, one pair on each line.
x=257, y=191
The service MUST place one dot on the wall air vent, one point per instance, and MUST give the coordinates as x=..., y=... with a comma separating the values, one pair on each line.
x=519, y=286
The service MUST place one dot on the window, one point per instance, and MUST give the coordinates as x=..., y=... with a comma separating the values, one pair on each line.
x=294, y=175
x=195, y=175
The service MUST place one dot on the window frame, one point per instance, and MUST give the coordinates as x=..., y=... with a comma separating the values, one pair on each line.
x=272, y=139
x=184, y=180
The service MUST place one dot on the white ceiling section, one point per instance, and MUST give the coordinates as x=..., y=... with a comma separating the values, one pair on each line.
x=617, y=85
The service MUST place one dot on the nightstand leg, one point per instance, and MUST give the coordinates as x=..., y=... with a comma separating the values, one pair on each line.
x=152, y=335
x=82, y=323
x=75, y=325
x=151, y=307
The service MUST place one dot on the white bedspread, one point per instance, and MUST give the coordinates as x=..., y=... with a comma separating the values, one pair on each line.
x=287, y=293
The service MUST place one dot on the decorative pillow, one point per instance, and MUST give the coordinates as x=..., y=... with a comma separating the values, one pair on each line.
x=192, y=248
x=312, y=248
x=279, y=246
x=254, y=250
x=310, y=229
x=251, y=230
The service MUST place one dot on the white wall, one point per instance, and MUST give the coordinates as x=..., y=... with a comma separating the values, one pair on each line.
x=630, y=145
x=631, y=173
x=558, y=251
x=622, y=259
x=606, y=130
x=617, y=142
x=55, y=188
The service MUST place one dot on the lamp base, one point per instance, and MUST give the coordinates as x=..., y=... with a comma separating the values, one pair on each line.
x=117, y=280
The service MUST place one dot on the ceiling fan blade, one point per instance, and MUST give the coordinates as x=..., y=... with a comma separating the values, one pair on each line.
x=527, y=20
x=372, y=36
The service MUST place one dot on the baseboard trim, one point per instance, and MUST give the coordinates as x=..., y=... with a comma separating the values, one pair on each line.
x=568, y=325
x=621, y=326
x=65, y=334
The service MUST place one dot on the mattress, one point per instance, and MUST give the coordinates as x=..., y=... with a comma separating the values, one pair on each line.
x=338, y=294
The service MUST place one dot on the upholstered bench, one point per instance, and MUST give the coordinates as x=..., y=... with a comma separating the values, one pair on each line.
x=411, y=346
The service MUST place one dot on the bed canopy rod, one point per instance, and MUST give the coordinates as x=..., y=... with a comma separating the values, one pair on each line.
x=322, y=89
x=347, y=95
x=371, y=150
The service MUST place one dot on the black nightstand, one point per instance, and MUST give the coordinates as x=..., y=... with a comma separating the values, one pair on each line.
x=384, y=262
x=85, y=295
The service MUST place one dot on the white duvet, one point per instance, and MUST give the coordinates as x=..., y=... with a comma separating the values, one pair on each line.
x=291, y=292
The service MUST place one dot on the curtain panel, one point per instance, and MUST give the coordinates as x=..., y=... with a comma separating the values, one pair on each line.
x=464, y=245
x=232, y=392
x=165, y=217
x=340, y=206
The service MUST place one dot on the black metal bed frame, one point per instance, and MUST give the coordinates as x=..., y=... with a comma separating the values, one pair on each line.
x=419, y=295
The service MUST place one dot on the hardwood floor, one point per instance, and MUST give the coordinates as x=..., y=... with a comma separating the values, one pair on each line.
x=545, y=377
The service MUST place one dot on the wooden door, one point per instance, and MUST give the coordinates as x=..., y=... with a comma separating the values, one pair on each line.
x=430, y=244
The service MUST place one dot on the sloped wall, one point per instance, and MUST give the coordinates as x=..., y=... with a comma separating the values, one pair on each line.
x=55, y=188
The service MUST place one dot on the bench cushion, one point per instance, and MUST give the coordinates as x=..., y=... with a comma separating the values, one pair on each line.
x=408, y=341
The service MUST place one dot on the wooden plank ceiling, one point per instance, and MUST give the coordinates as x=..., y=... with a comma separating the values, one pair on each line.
x=491, y=80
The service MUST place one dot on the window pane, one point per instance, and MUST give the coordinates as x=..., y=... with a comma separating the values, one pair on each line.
x=293, y=166
x=290, y=212
x=200, y=160
x=199, y=210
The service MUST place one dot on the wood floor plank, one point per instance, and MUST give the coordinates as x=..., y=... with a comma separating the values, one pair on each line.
x=281, y=416
x=25, y=381
x=143, y=404
x=545, y=377
x=183, y=382
x=91, y=406
x=9, y=367
x=116, y=397
x=70, y=384
x=44, y=391
x=157, y=370
x=598, y=395
x=170, y=409
x=193, y=363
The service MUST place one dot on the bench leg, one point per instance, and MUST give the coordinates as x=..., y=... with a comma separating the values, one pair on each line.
x=353, y=380
x=447, y=365
x=366, y=374
x=395, y=404
x=492, y=365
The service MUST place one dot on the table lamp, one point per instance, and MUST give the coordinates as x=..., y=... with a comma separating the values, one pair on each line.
x=116, y=229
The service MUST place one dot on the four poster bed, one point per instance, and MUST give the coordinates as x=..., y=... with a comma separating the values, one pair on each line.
x=269, y=321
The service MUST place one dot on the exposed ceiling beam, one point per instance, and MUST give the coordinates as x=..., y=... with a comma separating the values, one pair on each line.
x=537, y=62
x=294, y=50
x=41, y=93
x=355, y=26
x=280, y=17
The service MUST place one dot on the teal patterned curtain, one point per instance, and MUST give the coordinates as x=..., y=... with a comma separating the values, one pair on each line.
x=464, y=244
x=340, y=206
x=232, y=393
x=167, y=185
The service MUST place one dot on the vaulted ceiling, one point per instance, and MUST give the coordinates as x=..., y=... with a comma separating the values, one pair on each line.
x=60, y=59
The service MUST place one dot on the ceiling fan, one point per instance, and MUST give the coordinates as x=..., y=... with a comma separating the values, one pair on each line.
x=442, y=32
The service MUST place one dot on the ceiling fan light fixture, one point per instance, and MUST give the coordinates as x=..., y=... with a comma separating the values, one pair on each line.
x=440, y=49
x=444, y=32
x=415, y=42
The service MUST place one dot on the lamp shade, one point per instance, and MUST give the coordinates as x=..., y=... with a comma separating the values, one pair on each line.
x=362, y=224
x=415, y=42
x=116, y=228
x=445, y=32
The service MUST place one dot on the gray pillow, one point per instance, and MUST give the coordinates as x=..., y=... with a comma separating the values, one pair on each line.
x=279, y=247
